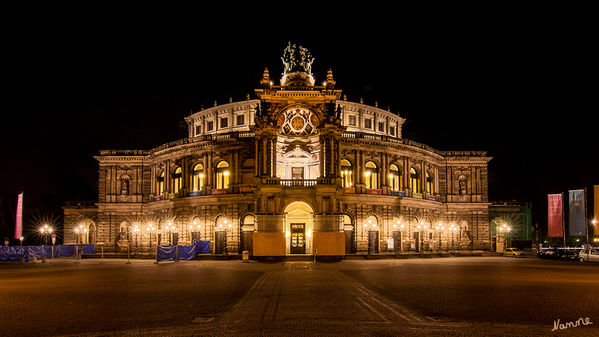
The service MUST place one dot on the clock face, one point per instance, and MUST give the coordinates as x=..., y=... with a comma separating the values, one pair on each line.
x=298, y=121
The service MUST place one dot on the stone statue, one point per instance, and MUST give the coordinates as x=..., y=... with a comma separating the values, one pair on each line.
x=125, y=186
x=297, y=58
x=462, y=183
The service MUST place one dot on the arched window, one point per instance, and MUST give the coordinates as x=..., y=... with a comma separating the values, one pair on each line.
x=414, y=180
x=222, y=175
x=249, y=220
x=160, y=184
x=197, y=177
x=346, y=173
x=394, y=178
x=371, y=175
x=177, y=180
x=371, y=222
x=346, y=220
x=429, y=184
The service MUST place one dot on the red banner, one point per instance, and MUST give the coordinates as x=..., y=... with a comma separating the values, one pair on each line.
x=596, y=212
x=19, y=218
x=555, y=216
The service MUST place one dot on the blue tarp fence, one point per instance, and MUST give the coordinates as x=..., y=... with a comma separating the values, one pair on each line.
x=166, y=253
x=67, y=250
x=14, y=253
x=174, y=253
x=187, y=252
x=202, y=247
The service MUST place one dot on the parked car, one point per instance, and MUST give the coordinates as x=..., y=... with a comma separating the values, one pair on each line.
x=567, y=254
x=589, y=255
x=547, y=253
x=513, y=252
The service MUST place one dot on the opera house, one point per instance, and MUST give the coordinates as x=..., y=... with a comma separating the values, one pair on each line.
x=297, y=170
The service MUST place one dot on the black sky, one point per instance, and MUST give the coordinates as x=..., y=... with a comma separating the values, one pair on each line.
x=524, y=90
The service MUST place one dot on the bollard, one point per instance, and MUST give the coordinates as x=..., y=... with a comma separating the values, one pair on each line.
x=102, y=261
x=128, y=247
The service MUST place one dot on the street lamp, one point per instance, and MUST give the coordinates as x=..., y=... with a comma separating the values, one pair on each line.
x=504, y=230
x=136, y=230
x=440, y=228
x=452, y=229
x=170, y=228
x=150, y=229
x=45, y=230
x=79, y=232
x=422, y=227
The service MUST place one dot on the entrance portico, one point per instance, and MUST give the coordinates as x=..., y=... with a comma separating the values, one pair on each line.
x=298, y=226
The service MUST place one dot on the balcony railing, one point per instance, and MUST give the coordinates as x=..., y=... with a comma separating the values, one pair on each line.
x=298, y=182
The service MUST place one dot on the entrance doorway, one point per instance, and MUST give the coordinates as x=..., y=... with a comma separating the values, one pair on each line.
x=298, y=228
x=298, y=238
x=297, y=173
x=397, y=242
x=373, y=242
x=220, y=242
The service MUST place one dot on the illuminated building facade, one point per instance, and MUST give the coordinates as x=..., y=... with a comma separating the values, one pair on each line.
x=298, y=170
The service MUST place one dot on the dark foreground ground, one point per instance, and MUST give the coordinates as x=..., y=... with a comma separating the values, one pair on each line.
x=463, y=296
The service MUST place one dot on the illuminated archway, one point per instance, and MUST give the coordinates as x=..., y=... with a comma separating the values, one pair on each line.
x=298, y=227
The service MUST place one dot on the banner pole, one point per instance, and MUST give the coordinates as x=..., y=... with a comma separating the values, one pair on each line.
x=564, y=218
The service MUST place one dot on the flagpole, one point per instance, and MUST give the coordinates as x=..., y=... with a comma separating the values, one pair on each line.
x=564, y=218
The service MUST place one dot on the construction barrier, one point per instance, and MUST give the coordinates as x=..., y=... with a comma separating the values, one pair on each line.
x=175, y=253
x=15, y=253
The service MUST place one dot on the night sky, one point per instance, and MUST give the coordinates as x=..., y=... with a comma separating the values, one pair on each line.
x=526, y=93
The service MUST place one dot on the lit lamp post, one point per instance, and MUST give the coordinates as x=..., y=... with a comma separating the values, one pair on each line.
x=136, y=230
x=169, y=228
x=398, y=231
x=79, y=231
x=150, y=229
x=440, y=228
x=401, y=231
x=504, y=230
x=452, y=230
x=422, y=227
x=45, y=230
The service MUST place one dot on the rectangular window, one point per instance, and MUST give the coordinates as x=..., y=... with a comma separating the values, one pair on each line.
x=392, y=131
x=224, y=122
x=352, y=120
x=198, y=130
x=381, y=127
x=368, y=123
x=210, y=126
x=240, y=119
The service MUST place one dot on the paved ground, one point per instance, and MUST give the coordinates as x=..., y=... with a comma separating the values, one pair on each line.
x=464, y=296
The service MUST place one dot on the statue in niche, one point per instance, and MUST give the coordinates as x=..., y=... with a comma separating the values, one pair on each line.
x=124, y=186
x=462, y=185
x=122, y=235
